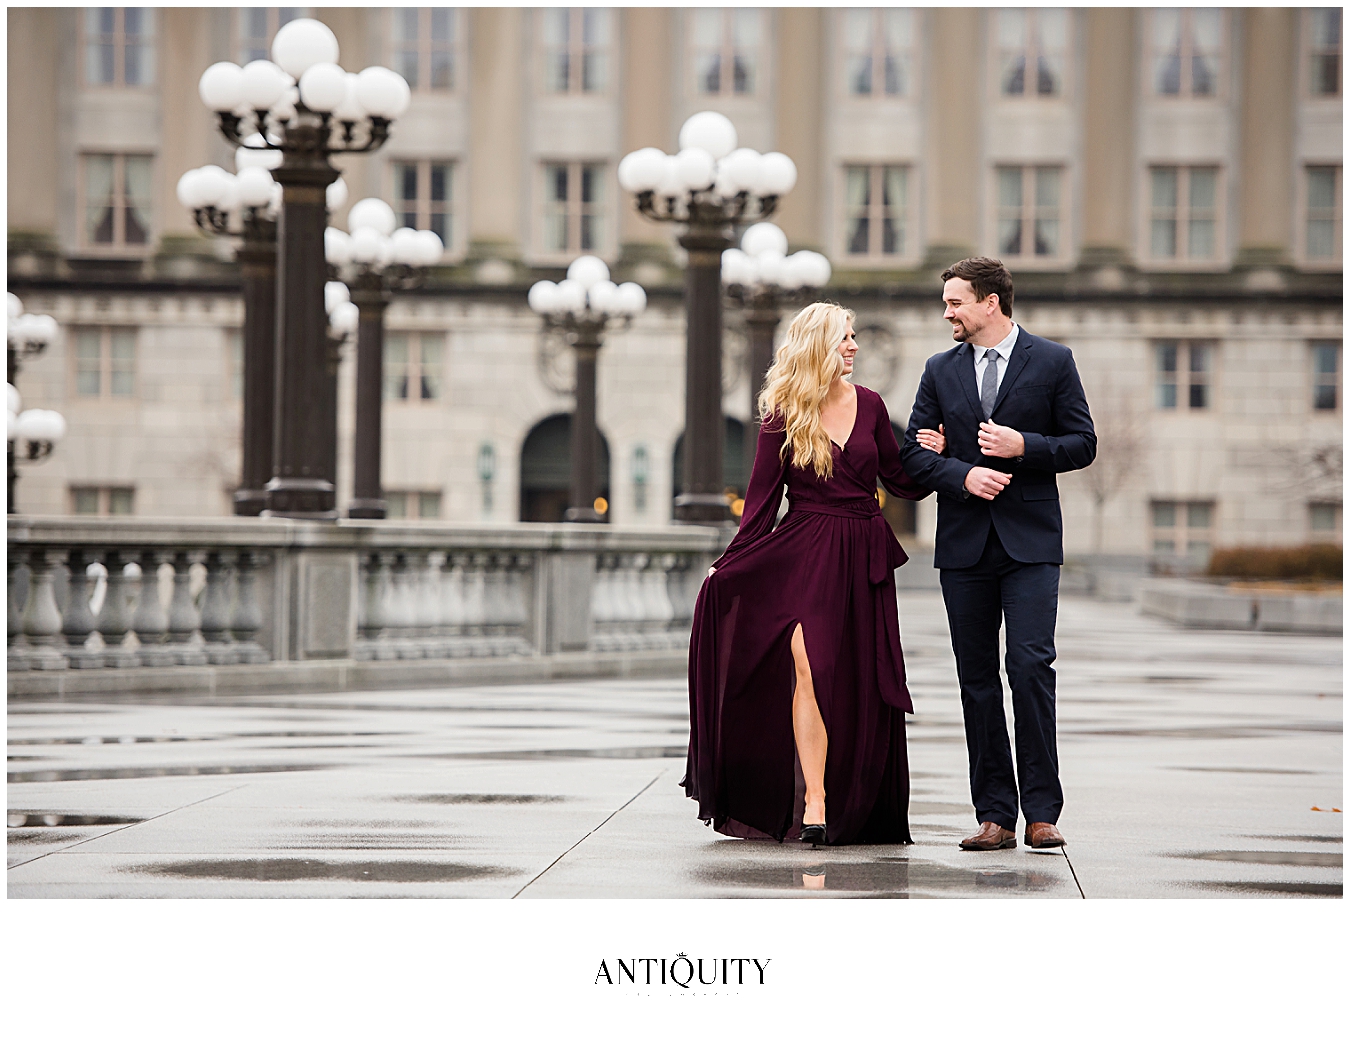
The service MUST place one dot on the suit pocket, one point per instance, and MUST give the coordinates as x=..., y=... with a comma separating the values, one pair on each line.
x=1040, y=492
x=1042, y=388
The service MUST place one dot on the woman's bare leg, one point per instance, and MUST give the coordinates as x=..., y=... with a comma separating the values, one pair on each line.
x=809, y=730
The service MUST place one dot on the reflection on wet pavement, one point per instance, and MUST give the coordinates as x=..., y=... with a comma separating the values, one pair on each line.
x=884, y=876
x=591, y=752
x=78, y=774
x=1270, y=858
x=387, y=872
x=481, y=799
x=1248, y=887
x=15, y=819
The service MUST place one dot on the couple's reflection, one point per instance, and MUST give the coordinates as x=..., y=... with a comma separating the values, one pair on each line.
x=813, y=877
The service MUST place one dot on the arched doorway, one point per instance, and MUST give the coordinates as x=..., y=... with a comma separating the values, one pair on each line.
x=546, y=470
x=735, y=471
x=899, y=512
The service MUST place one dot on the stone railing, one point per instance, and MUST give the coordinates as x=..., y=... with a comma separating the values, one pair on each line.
x=89, y=593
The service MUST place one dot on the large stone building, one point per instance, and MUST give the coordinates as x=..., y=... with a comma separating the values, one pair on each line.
x=1166, y=186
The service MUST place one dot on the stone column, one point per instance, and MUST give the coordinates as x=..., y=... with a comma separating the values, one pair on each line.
x=585, y=436
x=800, y=80
x=371, y=300
x=497, y=81
x=1109, y=107
x=1268, y=79
x=955, y=97
x=257, y=258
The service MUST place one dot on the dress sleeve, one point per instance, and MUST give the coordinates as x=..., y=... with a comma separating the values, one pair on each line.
x=892, y=473
x=765, y=492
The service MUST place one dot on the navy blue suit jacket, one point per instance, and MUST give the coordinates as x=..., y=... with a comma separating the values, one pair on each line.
x=1042, y=398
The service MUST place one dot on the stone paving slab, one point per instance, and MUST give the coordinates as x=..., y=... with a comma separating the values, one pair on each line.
x=1192, y=762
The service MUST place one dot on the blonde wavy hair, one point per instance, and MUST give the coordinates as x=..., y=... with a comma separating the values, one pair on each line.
x=799, y=380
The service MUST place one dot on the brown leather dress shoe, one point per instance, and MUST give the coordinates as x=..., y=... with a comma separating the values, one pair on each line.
x=1043, y=835
x=990, y=837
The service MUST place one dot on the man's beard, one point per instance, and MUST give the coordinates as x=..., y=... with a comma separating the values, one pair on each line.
x=960, y=333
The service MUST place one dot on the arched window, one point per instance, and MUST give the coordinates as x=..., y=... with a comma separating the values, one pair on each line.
x=546, y=470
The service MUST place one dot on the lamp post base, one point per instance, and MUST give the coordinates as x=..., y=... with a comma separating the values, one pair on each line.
x=702, y=509
x=249, y=502
x=575, y=515
x=290, y=497
x=367, y=508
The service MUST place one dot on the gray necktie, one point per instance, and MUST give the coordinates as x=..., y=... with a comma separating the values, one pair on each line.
x=989, y=388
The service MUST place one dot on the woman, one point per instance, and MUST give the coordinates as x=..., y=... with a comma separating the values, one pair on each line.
x=796, y=682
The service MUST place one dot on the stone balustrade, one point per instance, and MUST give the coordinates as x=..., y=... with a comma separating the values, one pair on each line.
x=89, y=593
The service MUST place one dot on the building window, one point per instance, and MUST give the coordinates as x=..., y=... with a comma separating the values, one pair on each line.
x=105, y=362
x=576, y=49
x=119, y=46
x=1186, y=48
x=1326, y=362
x=1031, y=50
x=101, y=501
x=423, y=191
x=573, y=195
x=1324, y=521
x=726, y=49
x=878, y=51
x=1029, y=211
x=1323, y=231
x=413, y=365
x=1324, y=57
x=116, y=200
x=1183, y=530
x=407, y=505
x=1185, y=374
x=876, y=203
x=424, y=46
x=1184, y=212
x=255, y=27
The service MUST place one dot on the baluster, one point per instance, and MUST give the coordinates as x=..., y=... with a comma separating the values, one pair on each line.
x=517, y=611
x=681, y=598
x=184, y=620
x=78, y=624
x=247, y=617
x=41, y=618
x=656, y=607
x=215, y=621
x=17, y=657
x=494, y=603
x=602, y=603
x=454, y=604
x=151, y=621
x=475, y=606
x=635, y=614
x=114, y=618
x=369, y=615
x=438, y=645
x=425, y=602
x=403, y=615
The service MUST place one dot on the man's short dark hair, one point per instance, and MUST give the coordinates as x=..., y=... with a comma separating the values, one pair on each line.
x=985, y=276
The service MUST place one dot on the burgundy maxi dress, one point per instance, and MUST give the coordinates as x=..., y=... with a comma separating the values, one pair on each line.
x=828, y=566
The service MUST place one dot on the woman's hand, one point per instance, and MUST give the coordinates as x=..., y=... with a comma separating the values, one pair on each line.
x=712, y=570
x=933, y=440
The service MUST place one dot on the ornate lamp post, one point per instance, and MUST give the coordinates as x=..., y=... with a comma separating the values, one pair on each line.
x=762, y=277
x=709, y=187
x=261, y=108
x=581, y=308
x=373, y=261
x=27, y=335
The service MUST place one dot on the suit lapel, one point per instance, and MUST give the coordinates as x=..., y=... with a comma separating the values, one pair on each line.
x=965, y=375
x=1018, y=361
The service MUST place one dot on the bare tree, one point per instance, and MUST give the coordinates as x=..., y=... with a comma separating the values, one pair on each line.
x=1122, y=447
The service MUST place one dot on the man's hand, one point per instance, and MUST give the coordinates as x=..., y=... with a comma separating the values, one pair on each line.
x=1000, y=441
x=933, y=440
x=986, y=483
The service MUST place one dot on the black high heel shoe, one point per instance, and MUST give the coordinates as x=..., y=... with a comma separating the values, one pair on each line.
x=813, y=834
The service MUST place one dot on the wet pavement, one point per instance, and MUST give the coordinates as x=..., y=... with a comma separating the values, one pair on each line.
x=1195, y=764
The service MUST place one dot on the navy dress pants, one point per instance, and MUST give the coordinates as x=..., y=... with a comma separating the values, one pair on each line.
x=978, y=598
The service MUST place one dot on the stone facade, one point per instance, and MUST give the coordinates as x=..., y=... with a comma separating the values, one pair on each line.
x=1249, y=143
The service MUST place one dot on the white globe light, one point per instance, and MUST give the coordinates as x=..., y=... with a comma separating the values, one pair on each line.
x=274, y=206
x=641, y=170
x=671, y=184
x=262, y=85
x=588, y=271
x=40, y=424
x=734, y=263
x=382, y=92
x=323, y=87
x=772, y=268
x=11, y=426
x=764, y=238
x=407, y=247
x=741, y=168
x=815, y=268
x=373, y=213
x=604, y=297
x=778, y=174
x=335, y=293
x=724, y=186
x=697, y=168
x=571, y=296
x=345, y=319
x=350, y=110
x=44, y=329
x=229, y=197
x=221, y=87
x=337, y=247
x=254, y=185
x=543, y=297
x=366, y=242
x=247, y=158
x=12, y=399
x=213, y=183
x=13, y=305
x=336, y=194
x=711, y=131
x=633, y=298
x=187, y=190
x=302, y=43
x=433, y=249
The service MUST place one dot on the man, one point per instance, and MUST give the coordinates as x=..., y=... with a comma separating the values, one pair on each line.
x=1012, y=408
